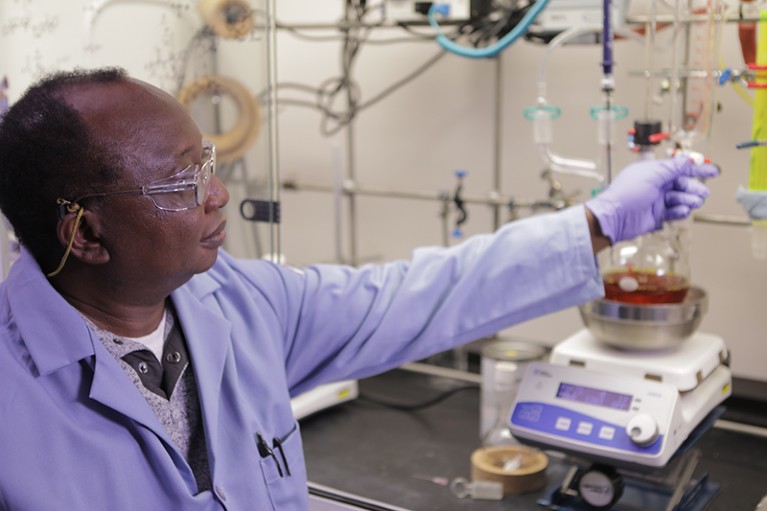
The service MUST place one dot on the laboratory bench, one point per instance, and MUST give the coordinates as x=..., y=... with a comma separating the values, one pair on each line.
x=396, y=456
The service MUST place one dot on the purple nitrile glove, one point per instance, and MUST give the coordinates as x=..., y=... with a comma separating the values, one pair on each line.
x=647, y=193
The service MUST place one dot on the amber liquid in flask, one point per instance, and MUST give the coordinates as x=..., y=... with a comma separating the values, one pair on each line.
x=644, y=287
x=651, y=269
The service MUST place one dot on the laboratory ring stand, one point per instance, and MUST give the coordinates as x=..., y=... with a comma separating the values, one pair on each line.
x=588, y=486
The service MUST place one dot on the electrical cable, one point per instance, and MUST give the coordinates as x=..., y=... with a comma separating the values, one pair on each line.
x=398, y=40
x=495, y=24
x=299, y=86
x=300, y=35
x=418, y=35
x=410, y=407
x=337, y=38
x=333, y=119
x=331, y=88
x=343, y=118
x=494, y=49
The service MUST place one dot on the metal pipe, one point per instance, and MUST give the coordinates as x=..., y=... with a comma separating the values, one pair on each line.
x=637, y=19
x=351, y=200
x=350, y=153
x=692, y=18
x=495, y=200
x=347, y=24
x=273, y=180
x=337, y=202
x=497, y=142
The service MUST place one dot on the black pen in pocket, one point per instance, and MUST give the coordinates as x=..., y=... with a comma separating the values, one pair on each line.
x=277, y=444
x=265, y=451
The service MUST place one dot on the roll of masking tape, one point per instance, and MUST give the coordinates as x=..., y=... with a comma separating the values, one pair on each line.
x=518, y=468
x=230, y=19
x=232, y=144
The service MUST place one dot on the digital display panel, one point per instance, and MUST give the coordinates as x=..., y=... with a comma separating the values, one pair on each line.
x=594, y=396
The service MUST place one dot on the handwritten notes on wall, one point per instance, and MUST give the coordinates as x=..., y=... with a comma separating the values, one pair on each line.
x=155, y=40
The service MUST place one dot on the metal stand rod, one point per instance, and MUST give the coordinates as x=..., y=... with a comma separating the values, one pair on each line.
x=495, y=200
x=498, y=140
x=347, y=24
x=631, y=20
x=350, y=150
x=274, y=162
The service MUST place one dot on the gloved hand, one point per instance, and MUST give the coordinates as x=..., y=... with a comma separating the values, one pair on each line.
x=646, y=193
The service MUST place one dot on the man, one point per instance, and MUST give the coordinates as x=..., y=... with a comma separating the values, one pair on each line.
x=143, y=368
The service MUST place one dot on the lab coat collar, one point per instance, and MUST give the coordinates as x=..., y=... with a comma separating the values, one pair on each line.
x=112, y=388
x=56, y=336
x=208, y=337
x=53, y=331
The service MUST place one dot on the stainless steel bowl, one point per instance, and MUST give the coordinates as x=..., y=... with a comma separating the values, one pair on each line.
x=632, y=326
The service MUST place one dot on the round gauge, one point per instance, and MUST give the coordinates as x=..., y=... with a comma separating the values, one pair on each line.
x=600, y=486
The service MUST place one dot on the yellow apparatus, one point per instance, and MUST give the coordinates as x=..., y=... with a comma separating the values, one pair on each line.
x=754, y=199
x=757, y=179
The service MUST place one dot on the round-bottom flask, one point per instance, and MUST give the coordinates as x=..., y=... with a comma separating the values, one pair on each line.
x=650, y=269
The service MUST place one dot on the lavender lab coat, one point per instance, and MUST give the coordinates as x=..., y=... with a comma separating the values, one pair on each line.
x=76, y=434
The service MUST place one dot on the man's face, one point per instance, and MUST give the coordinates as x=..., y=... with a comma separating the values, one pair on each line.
x=153, y=130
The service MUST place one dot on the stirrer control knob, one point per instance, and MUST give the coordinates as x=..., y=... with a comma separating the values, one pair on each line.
x=642, y=429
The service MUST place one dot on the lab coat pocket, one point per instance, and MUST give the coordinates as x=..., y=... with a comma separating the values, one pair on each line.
x=283, y=468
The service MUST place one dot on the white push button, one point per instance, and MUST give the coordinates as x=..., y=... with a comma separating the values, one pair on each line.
x=563, y=423
x=606, y=433
x=642, y=429
x=584, y=428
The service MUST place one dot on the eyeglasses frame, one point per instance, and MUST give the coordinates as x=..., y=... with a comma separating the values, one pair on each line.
x=200, y=182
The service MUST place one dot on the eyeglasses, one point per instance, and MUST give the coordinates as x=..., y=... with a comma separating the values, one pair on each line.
x=184, y=190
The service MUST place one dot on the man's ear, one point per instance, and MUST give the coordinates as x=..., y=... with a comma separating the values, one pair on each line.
x=86, y=243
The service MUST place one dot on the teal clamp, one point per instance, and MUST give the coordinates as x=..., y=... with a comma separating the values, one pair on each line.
x=531, y=112
x=620, y=112
x=489, y=51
